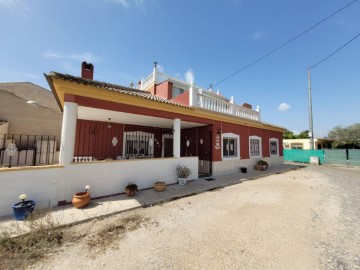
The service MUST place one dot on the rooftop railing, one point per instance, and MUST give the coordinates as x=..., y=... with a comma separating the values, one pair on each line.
x=204, y=98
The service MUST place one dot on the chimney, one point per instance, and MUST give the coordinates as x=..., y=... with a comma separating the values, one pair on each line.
x=87, y=71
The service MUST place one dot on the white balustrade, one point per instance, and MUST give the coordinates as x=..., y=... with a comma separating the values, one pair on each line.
x=212, y=103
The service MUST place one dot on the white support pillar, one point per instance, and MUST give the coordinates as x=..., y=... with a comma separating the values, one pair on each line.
x=176, y=138
x=191, y=95
x=68, y=132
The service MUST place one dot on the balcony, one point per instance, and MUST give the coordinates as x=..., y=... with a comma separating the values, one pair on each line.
x=204, y=99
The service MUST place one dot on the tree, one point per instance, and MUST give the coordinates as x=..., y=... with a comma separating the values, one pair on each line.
x=303, y=134
x=346, y=137
x=290, y=135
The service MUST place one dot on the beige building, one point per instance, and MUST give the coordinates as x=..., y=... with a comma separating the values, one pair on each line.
x=305, y=143
x=26, y=108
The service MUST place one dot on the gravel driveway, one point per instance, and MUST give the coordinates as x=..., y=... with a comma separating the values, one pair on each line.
x=303, y=219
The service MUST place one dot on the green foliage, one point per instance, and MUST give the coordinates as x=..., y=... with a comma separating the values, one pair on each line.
x=290, y=135
x=347, y=137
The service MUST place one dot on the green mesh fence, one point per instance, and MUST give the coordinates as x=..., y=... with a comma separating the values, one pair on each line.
x=354, y=157
x=300, y=155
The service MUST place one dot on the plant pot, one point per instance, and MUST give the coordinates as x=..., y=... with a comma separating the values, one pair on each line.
x=243, y=169
x=260, y=167
x=81, y=199
x=130, y=192
x=23, y=209
x=159, y=186
x=182, y=181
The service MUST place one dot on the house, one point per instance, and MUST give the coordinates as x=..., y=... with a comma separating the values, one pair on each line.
x=112, y=135
x=163, y=117
x=31, y=119
x=319, y=143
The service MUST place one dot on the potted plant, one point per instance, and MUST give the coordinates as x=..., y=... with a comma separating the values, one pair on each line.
x=24, y=208
x=183, y=173
x=159, y=186
x=261, y=165
x=82, y=199
x=131, y=189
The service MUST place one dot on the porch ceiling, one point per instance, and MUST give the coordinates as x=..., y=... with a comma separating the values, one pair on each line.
x=87, y=113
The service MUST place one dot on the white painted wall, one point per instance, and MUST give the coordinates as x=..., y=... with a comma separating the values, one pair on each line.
x=40, y=185
x=48, y=186
x=233, y=166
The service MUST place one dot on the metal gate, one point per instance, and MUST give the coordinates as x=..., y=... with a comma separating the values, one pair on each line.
x=335, y=156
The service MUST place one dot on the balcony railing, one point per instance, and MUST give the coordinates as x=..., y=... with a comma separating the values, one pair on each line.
x=27, y=150
x=204, y=98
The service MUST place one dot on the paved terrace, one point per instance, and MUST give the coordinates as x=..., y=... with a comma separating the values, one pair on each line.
x=66, y=215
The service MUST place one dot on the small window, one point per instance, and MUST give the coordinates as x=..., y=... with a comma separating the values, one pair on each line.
x=274, y=147
x=177, y=91
x=229, y=147
x=255, y=146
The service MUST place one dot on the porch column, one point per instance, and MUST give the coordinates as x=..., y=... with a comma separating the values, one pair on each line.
x=176, y=137
x=68, y=132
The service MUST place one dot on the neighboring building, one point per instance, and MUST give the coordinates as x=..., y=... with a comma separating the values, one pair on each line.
x=305, y=143
x=166, y=118
x=31, y=119
x=27, y=108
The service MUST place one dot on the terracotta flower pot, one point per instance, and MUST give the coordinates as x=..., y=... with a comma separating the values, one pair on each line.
x=159, y=186
x=81, y=199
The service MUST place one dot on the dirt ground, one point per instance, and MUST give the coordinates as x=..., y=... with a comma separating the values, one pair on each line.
x=303, y=219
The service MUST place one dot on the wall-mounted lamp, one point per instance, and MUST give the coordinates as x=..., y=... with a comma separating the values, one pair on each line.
x=109, y=125
x=201, y=141
x=187, y=143
x=219, y=131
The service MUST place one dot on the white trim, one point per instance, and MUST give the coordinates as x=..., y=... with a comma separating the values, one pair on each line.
x=260, y=146
x=277, y=143
x=232, y=136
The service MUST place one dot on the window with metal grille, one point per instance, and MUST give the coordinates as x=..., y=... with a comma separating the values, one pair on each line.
x=274, y=147
x=229, y=147
x=255, y=147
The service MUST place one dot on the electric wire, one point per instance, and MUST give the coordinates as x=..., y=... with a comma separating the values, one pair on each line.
x=286, y=43
x=339, y=49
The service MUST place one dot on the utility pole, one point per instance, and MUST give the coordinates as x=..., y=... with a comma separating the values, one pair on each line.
x=311, y=130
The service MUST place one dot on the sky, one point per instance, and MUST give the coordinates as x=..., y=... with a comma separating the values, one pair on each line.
x=204, y=39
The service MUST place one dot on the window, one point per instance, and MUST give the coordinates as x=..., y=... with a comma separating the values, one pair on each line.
x=274, y=147
x=177, y=91
x=296, y=146
x=138, y=144
x=255, y=146
x=229, y=149
x=230, y=146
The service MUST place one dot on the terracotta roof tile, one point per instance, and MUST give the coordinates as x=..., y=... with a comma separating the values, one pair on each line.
x=112, y=87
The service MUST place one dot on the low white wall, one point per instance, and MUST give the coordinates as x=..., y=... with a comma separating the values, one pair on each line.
x=40, y=185
x=49, y=185
x=226, y=167
x=111, y=177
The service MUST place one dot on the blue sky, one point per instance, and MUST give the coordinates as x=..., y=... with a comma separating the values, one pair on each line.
x=212, y=38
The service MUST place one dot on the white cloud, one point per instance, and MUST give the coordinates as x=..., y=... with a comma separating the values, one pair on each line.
x=85, y=56
x=160, y=68
x=32, y=76
x=258, y=35
x=16, y=5
x=52, y=55
x=128, y=3
x=88, y=57
x=189, y=76
x=283, y=107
